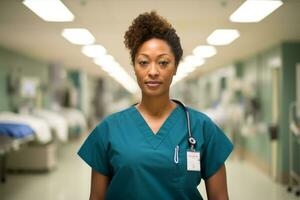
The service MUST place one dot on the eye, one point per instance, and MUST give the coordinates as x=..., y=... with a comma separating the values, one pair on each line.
x=163, y=63
x=143, y=62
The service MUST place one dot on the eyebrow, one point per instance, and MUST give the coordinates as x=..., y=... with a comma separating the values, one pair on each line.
x=163, y=54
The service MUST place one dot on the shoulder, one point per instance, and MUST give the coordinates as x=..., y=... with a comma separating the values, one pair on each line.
x=107, y=125
x=199, y=116
x=115, y=117
x=118, y=115
x=200, y=121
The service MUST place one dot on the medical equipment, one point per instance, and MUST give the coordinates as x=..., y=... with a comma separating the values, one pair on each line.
x=294, y=140
x=192, y=141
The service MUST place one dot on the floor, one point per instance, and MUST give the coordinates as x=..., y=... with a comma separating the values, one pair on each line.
x=71, y=181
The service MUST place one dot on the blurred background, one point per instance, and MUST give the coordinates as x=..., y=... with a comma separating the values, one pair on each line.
x=64, y=67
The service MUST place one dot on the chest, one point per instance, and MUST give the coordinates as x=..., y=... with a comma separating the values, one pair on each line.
x=154, y=124
x=139, y=164
x=135, y=149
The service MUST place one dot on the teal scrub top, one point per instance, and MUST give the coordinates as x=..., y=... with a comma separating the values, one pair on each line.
x=141, y=164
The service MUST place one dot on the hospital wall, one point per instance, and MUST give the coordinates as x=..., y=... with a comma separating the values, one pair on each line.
x=284, y=58
x=93, y=93
x=256, y=71
x=273, y=91
x=15, y=66
x=290, y=57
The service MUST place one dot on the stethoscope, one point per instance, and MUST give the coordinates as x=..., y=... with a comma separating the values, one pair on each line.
x=191, y=140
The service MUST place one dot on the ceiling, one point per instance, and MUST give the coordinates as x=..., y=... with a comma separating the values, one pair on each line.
x=23, y=31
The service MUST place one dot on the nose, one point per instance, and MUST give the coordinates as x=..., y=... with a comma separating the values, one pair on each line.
x=153, y=71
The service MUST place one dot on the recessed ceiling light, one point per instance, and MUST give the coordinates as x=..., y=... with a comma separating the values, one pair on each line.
x=79, y=36
x=204, y=51
x=255, y=10
x=223, y=36
x=50, y=10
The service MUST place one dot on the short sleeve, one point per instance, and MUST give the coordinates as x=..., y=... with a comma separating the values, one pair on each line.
x=217, y=148
x=93, y=150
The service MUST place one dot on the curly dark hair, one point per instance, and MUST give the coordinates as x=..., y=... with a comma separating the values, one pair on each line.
x=150, y=25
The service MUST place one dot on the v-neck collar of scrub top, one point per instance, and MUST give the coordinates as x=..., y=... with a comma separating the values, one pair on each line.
x=155, y=139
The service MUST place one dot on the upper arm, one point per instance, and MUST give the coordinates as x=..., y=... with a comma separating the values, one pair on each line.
x=216, y=149
x=99, y=185
x=94, y=149
x=216, y=185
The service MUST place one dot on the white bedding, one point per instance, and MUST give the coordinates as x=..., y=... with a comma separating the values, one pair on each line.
x=57, y=122
x=41, y=128
x=74, y=118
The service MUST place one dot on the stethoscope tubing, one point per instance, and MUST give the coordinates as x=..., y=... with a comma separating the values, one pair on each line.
x=191, y=140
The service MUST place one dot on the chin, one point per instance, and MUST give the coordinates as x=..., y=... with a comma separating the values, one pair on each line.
x=154, y=93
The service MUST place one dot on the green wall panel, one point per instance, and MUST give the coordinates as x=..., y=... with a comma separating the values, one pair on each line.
x=17, y=66
x=290, y=57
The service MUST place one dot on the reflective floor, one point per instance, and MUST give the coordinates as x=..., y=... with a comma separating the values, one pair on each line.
x=71, y=181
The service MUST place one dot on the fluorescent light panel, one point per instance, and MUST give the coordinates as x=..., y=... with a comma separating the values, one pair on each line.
x=109, y=65
x=93, y=51
x=186, y=67
x=78, y=36
x=255, y=10
x=223, y=36
x=193, y=61
x=105, y=60
x=178, y=77
x=185, y=71
x=50, y=10
x=204, y=51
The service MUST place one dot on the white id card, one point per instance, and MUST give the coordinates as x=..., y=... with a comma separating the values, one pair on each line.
x=193, y=160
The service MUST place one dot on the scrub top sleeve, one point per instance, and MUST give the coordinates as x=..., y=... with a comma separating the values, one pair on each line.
x=217, y=148
x=93, y=150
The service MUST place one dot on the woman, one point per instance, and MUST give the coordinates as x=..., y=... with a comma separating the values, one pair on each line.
x=143, y=151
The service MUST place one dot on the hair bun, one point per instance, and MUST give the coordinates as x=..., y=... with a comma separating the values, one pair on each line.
x=151, y=25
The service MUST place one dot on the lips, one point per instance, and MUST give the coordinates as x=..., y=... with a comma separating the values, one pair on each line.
x=153, y=83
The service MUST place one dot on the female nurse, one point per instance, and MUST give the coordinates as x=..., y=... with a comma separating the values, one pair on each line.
x=143, y=152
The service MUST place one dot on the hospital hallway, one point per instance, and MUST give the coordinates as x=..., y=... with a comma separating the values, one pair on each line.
x=77, y=76
x=71, y=181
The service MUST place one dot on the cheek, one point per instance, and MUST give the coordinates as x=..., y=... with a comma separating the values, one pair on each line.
x=139, y=76
x=171, y=73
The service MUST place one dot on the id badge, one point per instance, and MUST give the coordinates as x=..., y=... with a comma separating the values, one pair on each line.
x=193, y=160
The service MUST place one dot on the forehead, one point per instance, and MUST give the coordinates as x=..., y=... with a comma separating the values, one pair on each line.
x=154, y=47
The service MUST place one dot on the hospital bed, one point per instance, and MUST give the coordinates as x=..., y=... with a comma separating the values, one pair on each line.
x=57, y=123
x=12, y=136
x=76, y=121
x=40, y=153
x=40, y=127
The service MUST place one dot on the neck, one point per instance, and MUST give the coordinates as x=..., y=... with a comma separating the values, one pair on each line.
x=156, y=106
